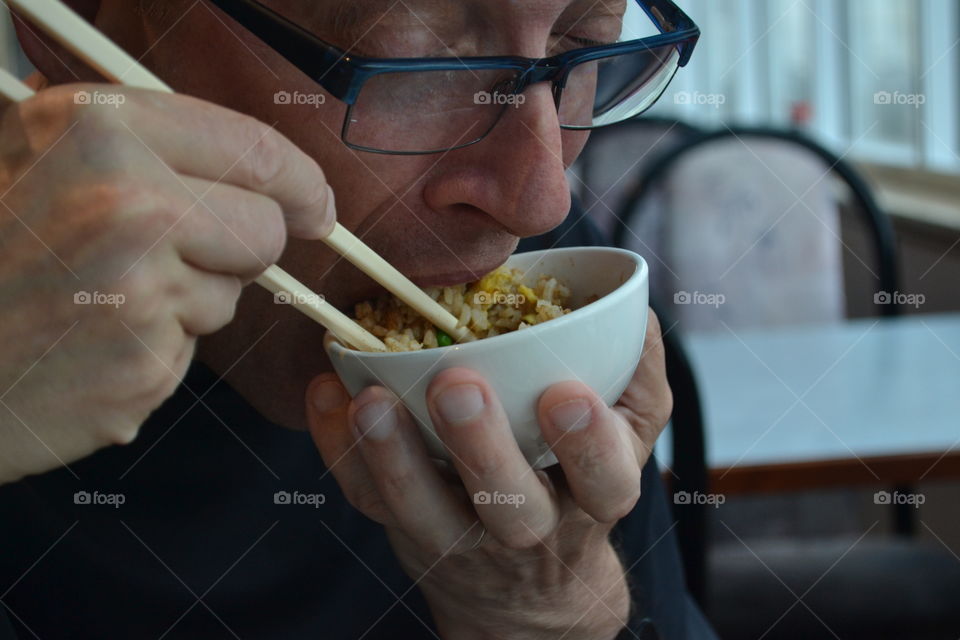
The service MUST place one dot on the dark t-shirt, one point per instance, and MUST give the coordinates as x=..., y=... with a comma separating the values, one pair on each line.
x=180, y=535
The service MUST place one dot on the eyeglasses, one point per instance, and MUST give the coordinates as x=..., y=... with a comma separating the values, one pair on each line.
x=414, y=106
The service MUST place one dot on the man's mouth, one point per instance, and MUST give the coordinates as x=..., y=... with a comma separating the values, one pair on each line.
x=458, y=276
x=449, y=279
x=441, y=279
x=445, y=275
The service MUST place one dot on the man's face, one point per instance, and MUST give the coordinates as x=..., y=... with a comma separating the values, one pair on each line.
x=443, y=218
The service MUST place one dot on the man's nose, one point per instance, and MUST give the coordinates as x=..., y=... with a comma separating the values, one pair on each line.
x=516, y=174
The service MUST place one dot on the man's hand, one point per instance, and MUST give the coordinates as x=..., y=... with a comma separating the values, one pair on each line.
x=129, y=221
x=500, y=550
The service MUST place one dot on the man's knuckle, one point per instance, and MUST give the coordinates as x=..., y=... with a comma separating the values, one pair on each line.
x=118, y=196
x=117, y=208
x=367, y=500
x=121, y=432
x=99, y=139
x=618, y=508
x=227, y=310
x=442, y=543
x=160, y=385
x=399, y=484
x=142, y=297
x=273, y=238
x=665, y=408
x=593, y=460
x=521, y=538
x=267, y=156
x=488, y=464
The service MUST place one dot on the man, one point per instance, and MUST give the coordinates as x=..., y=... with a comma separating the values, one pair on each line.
x=131, y=222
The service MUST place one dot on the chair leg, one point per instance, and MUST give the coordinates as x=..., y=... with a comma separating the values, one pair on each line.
x=904, y=515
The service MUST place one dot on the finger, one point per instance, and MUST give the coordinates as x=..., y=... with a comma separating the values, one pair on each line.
x=595, y=448
x=424, y=505
x=647, y=402
x=516, y=507
x=207, y=301
x=327, y=406
x=204, y=140
x=226, y=229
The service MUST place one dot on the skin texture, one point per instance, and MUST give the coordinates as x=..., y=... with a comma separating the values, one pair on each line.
x=539, y=570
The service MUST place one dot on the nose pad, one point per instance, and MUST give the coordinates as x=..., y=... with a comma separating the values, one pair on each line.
x=555, y=76
x=507, y=85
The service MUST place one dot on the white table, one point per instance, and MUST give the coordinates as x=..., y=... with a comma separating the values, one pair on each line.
x=864, y=401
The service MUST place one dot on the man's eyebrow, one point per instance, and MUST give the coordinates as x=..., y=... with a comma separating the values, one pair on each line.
x=347, y=18
x=351, y=20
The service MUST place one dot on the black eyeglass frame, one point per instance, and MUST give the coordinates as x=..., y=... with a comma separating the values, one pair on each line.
x=343, y=75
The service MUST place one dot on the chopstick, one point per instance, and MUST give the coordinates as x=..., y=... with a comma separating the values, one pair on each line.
x=94, y=48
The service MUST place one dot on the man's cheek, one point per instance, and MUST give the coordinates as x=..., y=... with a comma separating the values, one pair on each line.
x=573, y=143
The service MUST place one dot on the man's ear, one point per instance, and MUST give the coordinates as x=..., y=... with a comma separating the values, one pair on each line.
x=54, y=62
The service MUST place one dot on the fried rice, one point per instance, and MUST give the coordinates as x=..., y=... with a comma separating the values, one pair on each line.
x=497, y=303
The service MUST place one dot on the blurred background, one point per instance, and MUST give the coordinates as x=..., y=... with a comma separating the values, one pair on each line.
x=795, y=194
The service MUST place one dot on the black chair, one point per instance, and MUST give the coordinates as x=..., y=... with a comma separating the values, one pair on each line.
x=750, y=599
x=875, y=220
x=617, y=156
x=607, y=173
x=689, y=463
x=671, y=141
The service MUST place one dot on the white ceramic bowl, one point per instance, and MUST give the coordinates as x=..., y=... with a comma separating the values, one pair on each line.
x=598, y=343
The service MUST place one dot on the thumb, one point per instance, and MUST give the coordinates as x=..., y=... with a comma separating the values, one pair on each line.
x=327, y=403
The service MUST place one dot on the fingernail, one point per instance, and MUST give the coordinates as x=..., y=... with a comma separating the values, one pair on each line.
x=376, y=420
x=329, y=396
x=460, y=402
x=571, y=416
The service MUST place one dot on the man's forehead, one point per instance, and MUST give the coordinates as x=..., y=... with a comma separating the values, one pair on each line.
x=385, y=28
x=350, y=15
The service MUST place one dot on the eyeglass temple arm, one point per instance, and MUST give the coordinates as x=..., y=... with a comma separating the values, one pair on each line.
x=293, y=42
x=670, y=18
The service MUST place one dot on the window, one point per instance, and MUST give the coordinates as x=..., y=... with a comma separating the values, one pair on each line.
x=875, y=79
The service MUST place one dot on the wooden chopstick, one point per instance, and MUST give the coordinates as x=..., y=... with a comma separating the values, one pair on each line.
x=370, y=262
x=12, y=88
x=94, y=48
x=274, y=279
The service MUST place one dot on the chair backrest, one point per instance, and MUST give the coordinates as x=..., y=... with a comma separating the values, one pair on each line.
x=617, y=156
x=741, y=227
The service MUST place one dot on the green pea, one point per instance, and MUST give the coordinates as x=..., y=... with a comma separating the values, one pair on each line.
x=443, y=339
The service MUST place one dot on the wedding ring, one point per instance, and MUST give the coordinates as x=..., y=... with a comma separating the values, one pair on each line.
x=483, y=532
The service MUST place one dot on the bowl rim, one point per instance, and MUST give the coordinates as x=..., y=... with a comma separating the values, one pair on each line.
x=333, y=345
